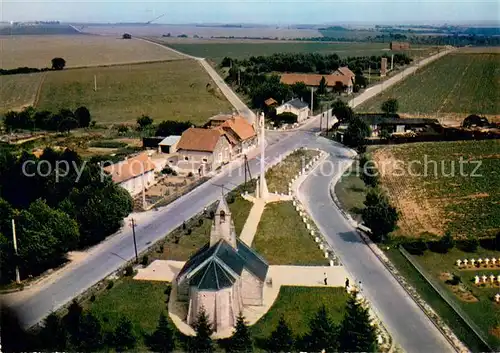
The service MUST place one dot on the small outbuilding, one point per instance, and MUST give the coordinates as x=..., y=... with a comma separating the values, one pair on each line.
x=169, y=144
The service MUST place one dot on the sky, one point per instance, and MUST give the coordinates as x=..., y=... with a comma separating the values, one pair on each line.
x=250, y=11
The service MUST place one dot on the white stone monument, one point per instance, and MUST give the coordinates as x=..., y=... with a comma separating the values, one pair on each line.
x=487, y=261
x=466, y=262
x=459, y=262
x=484, y=278
x=497, y=297
x=480, y=261
x=472, y=261
x=494, y=261
x=476, y=279
x=492, y=279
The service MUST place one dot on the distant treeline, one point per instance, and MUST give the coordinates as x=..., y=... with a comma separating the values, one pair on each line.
x=23, y=70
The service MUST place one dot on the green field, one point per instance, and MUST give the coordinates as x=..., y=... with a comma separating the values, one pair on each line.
x=457, y=83
x=18, y=91
x=298, y=305
x=282, y=238
x=241, y=50
x=176, y=90
x=443, y=196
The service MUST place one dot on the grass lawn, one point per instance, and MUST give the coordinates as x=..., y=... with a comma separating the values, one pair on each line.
x=280, y=175
x=282, y=238
x=38, y=51
x=240, y=209
x=18, y=91
x=140, y=301
x=176, y=90
x=434, y=195
x=457, y=83
x=447, y=314
x=299, y=305
x=351, y=192
x=483, y=312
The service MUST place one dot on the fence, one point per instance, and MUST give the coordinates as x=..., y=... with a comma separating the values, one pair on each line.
x=447, y=298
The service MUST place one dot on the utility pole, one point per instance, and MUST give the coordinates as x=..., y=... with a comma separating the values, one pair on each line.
x=369, y=74
x=132, y=223
x=18, y=277
x=321, y=122
x=312, y=102
x=239, y=77
x=95, y=83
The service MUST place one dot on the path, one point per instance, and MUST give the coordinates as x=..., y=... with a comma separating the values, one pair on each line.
x=252, y=222
x=307, y=276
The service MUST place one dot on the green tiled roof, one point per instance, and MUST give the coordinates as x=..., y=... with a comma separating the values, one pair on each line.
x=214, y=266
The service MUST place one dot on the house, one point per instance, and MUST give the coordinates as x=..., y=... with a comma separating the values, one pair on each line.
x=270, y=102
x=224, y=276
x=203, y=149
x=169, y=144
x=399, y=46
x=240, y=131
x=133, y=174
x=218, y=119
x=295, y=106
x=341, y=80
x=393, y=124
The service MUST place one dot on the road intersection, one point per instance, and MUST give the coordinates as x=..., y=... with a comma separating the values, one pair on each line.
x=406, y=322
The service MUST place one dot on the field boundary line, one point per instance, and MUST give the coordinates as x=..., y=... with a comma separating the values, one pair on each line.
x=39, y=90
x=445, y=296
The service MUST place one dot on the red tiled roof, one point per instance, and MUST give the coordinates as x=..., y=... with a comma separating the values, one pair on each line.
x=345, y=71
x=270, y=101
x=314, y=79
x=198, y=139
x=130, y=168
x=241, y=127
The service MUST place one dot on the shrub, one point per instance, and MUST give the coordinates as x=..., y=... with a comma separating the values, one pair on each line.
x=469, y=245
x=108, y=144
x=110, y=284
x=454, y=281
x=129, y=271
x=211, y=215
x=200, y=222
x=188, y=231
x=145, y=260
x=190, y=174
x=167, y=170
x=92, y=297
x=416, y=248
x=160, y=249
x=443, y=245
x=230, y=198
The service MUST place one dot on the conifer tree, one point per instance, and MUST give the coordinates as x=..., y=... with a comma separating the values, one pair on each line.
x=123, y=336
x=162, y=340
x=281, y=339
x=90, y=335
x=241, y=340
x=356, y=333
x=202, y=342
x=322, y=333
x=53, y=336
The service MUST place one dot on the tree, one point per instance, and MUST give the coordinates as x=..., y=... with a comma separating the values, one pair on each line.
x=241, y=340
x=384, y=134
x=445, y=244
x=82, y=114
x=356, y=133
x=68, y=124
x=90, y=335
x=126, y=36
x=226, y=62
x=379, y=215
x=58, y=63
x=360, y=80
x=144, y=121
x=203, y=328
x=322, y=86
x=72, y=321
x=53, y=336
x=281, y=339
x=322, y=333
x=123, y=336
x=356, y=333
x=369, y=172
x=390, y=106
x=162, y=340
x=342, y=111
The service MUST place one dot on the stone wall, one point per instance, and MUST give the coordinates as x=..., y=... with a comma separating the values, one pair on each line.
x=251, y=289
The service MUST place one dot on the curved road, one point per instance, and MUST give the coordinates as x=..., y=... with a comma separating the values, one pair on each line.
x=409, y=326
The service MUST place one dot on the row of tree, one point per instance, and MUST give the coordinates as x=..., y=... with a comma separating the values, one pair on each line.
x=60, y=203
x=308, y=63
x=57, y=64
x=82, y=331
x=30, y=119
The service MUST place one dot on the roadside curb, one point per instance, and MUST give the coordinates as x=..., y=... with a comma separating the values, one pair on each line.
x=457, y=345
x=384, y=335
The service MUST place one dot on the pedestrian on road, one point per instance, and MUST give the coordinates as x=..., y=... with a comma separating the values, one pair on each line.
x=326, y=280
x=347, y=284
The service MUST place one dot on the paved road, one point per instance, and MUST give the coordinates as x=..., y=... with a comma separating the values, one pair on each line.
x=409, y=326
x=406, y=322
